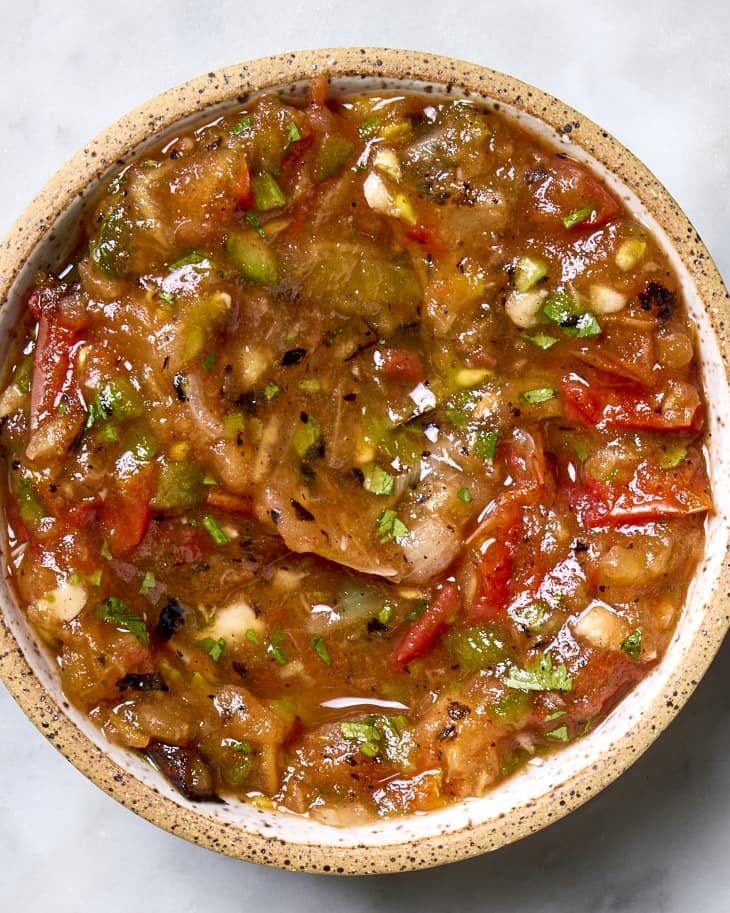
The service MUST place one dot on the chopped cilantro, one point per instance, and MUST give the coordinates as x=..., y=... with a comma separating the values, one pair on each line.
x=293, y=133
x=210, y=360
x=541, y=340
x=540, y=676
x=463, y=494
x=561, y=308
x=556, y=715
x=251, y=636
x=192, y=259
x=559, y=735
x=270, y=390
x=377, y=481
x=368, y=127
x=532, y=616
x=577, y=216
x=418, y=609
x=632, y=644
x=214, y=648
x=148, y=582
x=307, y=439
x=255, y=223
x=485, y=445
x=320, y=648
x=385, y=614
x=275, y=651
x=241, y=745
x=214, y=531
x=538, y=395
x=241, y=126
x=116, y=612
x=168, y=297
x=390, y=526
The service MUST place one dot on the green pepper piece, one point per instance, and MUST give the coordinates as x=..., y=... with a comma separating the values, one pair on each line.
x=179, y=485
x=266, y=192
x=253, y=257
x=334, y=151
x=479, y=647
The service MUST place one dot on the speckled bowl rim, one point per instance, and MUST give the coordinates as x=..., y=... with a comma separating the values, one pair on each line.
x=234, y=83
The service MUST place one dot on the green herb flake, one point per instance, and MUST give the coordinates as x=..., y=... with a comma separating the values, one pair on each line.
x=210, y=360
x=194, y=258
x=540, y=676
x=632, y=644
x=418, y=609
x=252, y=637
x=673, y=457
x=320, y=648
x=531, y=616
x=368, y=127
x=485, y=445
x=556, y=715
x=271, y=390
x=293, y=133
x=463, y=494
x=389, y=526
x=255, y=223
x=214, y=530
x=214, y=648
x=541, y=340
x=377, y=481
x=275, y=651
x=307, y=439
x=94, y=577
x=559, y=735
x=538, y=395
x=243, y=746
x=116, y=612
x=148, y=583
x=561, y=308
x=310, y=385
x=359, y=731
x=241, y=126
x=167, y=297
x=578, y=216
x=385, y=614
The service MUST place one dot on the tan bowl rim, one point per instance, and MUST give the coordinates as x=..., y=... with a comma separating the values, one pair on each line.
x=229, y=84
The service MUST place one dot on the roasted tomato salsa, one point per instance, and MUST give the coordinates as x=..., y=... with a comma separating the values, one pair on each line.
x=354, y=459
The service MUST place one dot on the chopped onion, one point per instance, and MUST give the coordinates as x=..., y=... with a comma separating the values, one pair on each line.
x=523, y=308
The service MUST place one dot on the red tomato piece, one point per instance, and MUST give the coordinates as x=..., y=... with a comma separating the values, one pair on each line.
x=52, y=354
x=674, y=407
x=426, y=630
x=126, y=512
x=242, y=186
x=401, y=365
x=232, y=503
x=599, y=684
x=651, y=494
x=569, y=187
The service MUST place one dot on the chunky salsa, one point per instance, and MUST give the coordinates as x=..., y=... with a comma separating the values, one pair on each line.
x=354, y=459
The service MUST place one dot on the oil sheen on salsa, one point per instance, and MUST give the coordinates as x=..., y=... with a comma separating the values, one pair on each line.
x=354, y=457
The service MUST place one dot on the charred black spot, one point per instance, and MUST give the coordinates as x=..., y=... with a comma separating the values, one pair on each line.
x=149, y=681
x=275, y=514
x=293, y=357
x=448, y=732
x=535, y=175
x=579, y=546
x=350, y=397
x=239, y=669
x=301, y=511
x=376, y=626
x=185, y=769
x=171, y=617
x=458, y=711
x=658, y=299
x=180, y=384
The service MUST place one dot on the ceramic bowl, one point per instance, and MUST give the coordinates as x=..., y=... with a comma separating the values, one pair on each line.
x=543, y=791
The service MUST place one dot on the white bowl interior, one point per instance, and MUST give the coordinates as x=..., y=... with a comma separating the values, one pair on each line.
x=540, y=776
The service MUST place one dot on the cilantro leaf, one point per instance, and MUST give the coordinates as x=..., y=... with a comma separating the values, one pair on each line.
x=320, y=648
x=214, y=648
x=377, y=481
x=538, y=395
x=540, y=676
x=390, y=526
x=632, y=644
x=116, y=612
x=485, y=445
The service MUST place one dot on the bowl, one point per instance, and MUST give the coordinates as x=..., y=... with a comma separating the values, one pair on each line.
x=543, y=792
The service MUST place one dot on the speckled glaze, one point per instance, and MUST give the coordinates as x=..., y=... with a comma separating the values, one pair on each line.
x=541, y=793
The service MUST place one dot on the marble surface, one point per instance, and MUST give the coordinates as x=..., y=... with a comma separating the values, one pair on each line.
x=657, y=75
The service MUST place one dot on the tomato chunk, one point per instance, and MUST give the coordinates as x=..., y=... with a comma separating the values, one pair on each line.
x=52, y=355
x=569, y=192
x=651, y=494
x=401, y=365
x=426, y=630
x=126, y=512
x=676, y=406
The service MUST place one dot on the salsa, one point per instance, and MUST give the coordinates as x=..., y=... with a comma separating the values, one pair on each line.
x=355, y=456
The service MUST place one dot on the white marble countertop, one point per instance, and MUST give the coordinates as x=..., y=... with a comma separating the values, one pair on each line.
x=655, y=73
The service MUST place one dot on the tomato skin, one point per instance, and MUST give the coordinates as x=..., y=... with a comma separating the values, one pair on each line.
x=621, y=406
x=568, y=187
x=599, y=683
x=651, y=494
x=426, y=630
x=231, y=503
x=126, y=512
x=495, y=572
x=52, y=355
x=401, y=365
